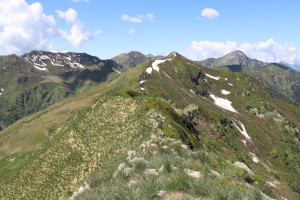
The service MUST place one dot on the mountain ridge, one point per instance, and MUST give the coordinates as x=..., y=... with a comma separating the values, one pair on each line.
x=237, y=57
x=40, y=78
x=133, y=58
x=282, y=80
x=176, y=99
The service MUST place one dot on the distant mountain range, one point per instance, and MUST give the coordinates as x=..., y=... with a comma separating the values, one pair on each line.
x=38, y=79
x=282, y=80
x=295, y=67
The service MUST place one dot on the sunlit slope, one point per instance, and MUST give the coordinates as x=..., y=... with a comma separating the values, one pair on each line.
x=222, y=113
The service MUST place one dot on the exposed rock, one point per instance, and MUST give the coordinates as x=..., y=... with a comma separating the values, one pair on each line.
x=161, y=193
x=215, y=173
x=132, y=182
x=79, y=191
x=192, y=173
x=115, y=174
x=130, y=154
x=173, y=168
x=184, y=146
x=151, y=172
x=127, y=170
x=161, y=168
x=137, y=159
x=271, y=184
x=243, y=166
x=121, y=166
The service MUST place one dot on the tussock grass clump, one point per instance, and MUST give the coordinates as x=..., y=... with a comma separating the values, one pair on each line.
x=178, y=181
x=140, y=167
x=199, y=188
x=147, y=188
x=224, y=189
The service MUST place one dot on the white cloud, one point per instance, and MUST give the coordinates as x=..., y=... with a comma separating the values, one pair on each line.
x=78, y=33
x=205, y=49
x=132, y=19
x=209, y=13
x=139, y=18
x=70, y=15
x=150, y=17
x=131, y=30
x=24, y=27
x=268, y=51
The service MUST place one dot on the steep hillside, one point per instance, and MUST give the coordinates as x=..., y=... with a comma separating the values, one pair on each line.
x=283, y=81
x=233, y=58
x=217, y=120
x=39, y=79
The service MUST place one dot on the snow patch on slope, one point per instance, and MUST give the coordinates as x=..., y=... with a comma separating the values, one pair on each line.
x=254, y=157
x=155, y=65
x=213, y=77
x=142, y=81
x=225, y=92
x=244, y=132
x=157, y=62
x=149, y=70
x=37, y=66
x=223, y=103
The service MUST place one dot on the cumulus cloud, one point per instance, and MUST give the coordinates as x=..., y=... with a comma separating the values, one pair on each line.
x=268, y=51
x=131, y=30
x=209, y=13
x=24, y=27
x=139, y=18
x=131, y=19
x=78, y=33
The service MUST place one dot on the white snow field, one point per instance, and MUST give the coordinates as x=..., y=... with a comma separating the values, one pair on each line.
x=223, y=103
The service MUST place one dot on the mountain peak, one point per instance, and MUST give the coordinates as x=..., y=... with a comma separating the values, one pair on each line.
x=133, y=58
x=238, y=53
x=237, y=57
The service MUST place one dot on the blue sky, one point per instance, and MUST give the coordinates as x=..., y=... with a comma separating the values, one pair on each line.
x=267, y=30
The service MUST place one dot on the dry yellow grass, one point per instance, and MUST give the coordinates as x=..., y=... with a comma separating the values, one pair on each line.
x=73, y=152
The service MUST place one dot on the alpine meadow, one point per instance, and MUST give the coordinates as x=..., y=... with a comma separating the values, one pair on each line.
x=149, y=100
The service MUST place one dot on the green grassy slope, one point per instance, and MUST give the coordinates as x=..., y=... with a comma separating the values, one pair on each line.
x=26, y=92
x=283, y=82
x=102, y=124
x=89, y=139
